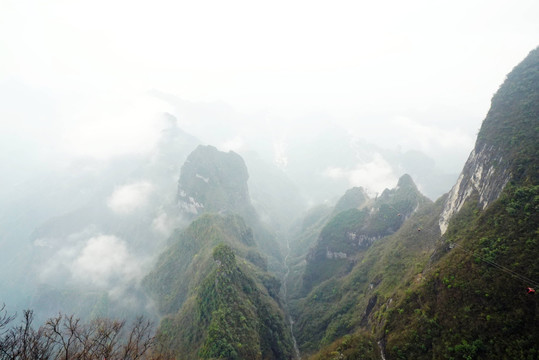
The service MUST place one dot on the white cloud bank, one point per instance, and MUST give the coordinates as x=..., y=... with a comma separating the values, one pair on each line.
x=427, y=137
x=374, y=175
x=103, y=259
x=235, y=144
x=165, y=223
x=85, y=92
x=128, y=198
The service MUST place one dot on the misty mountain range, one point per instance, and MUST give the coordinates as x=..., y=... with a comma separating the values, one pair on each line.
x=327, y=247
x=131, y=198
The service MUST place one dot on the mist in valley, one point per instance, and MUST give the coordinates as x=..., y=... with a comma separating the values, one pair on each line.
x=103, y=103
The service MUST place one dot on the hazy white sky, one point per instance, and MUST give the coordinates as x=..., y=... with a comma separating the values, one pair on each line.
x=75, y=75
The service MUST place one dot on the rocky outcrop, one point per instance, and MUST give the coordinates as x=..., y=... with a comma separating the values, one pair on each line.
x=483, y=174
x=353, y=230
x=354, y=198
x=214, y=181
x=505, y=143
x=335, y=255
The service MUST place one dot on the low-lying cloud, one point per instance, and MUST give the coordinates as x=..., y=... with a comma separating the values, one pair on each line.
x=165, y=223
x=104, y=259
x=129, y=198
x=374, y=175
x=427, y=137
x=234, y=144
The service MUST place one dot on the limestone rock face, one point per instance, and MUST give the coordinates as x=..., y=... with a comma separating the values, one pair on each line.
x=507, y=137
x=356, y=224
x=484, y=174
x=214, y=181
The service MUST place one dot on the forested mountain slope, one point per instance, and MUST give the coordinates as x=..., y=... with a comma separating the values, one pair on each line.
x=394, y=276
x=213, y=181
x=463, y=295
x=474, y=303
x=364, y=256
x=217, y=298
x=353, y=230
x=212, y=284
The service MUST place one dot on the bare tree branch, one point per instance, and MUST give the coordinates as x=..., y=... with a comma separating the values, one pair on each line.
x=66, y=338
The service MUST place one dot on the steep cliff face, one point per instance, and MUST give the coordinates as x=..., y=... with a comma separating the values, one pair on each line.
x=504, y=142
x=492, y=222
x=473, y=304
x=375, y=278
x=214, y=181
x=485, y=174
x=462, y=296
x=423, y=298
x=353, y=230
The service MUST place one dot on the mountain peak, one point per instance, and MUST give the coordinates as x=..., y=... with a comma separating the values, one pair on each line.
x=352, y=199
x=214, y=181
x=405, y=181
x=405, y=187
x=505, y=144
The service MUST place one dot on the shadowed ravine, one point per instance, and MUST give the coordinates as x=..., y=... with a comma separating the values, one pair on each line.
x=285, y=297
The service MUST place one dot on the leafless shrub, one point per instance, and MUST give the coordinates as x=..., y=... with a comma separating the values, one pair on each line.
x=65, y=337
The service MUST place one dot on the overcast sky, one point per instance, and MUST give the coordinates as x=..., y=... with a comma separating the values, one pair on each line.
x=76, y=77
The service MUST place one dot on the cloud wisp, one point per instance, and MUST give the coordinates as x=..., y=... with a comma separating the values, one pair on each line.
x=374, y=175
x=104, y=259
x=128, y=198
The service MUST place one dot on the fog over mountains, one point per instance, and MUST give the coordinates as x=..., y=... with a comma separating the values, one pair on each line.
x=252, y=258
x=292, y=180
x=72, y=215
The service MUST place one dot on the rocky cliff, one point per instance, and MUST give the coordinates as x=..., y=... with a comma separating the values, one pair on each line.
x=357, y=227
x=483, y=174
x=416, y=295
x=214, y=181
x=507, y=135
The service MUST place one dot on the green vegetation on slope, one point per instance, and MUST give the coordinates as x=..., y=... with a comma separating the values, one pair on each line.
x=336, y=242
x=511, y=125
x=352, y=231
x=217, y=297
x=186, y=261
x=213, y=181
x=229, y=316
x=474, y=305
x=469, y=301
x=353, y=198
x=305, y=232
x=381, y=274
x=469, y=308
x=357, y=346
